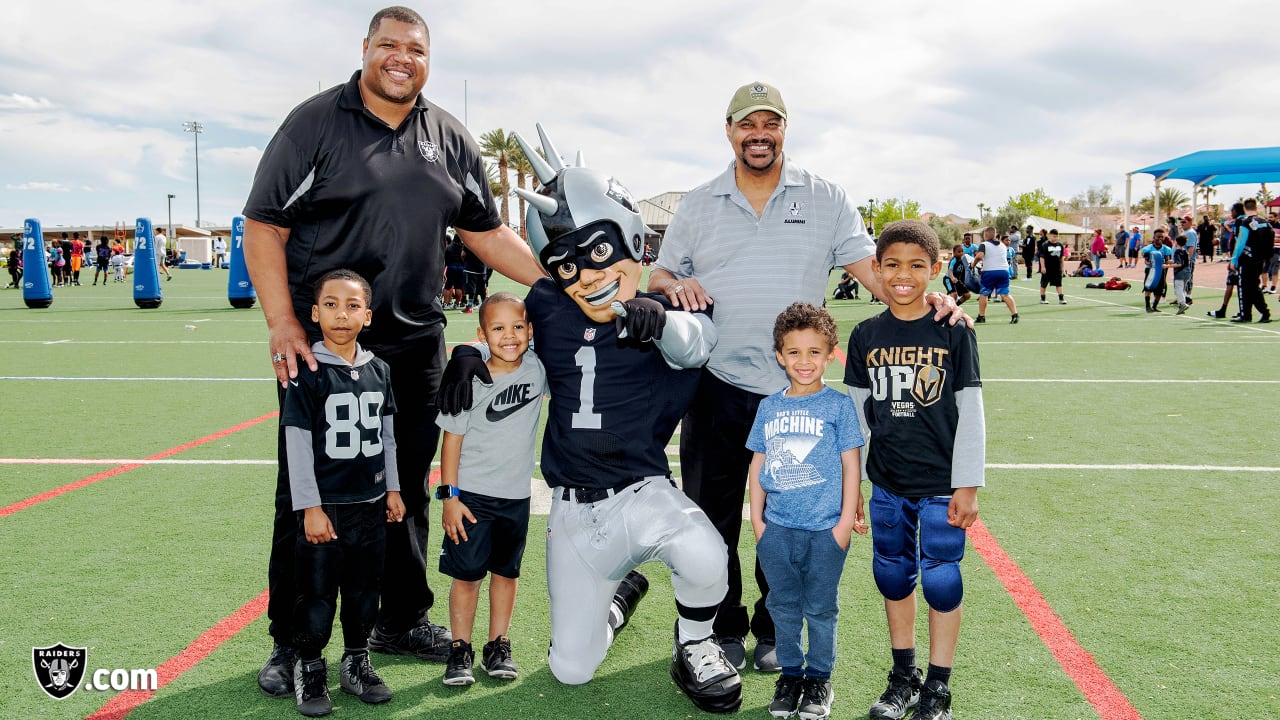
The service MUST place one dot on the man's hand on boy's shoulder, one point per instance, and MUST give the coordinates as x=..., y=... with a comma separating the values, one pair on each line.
x=947, y=309
x=467, y=363
x=963, y=509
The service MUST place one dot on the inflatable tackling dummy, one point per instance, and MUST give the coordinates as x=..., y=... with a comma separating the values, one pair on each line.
x=37, y=289
x=240, y=292
x=146, y=276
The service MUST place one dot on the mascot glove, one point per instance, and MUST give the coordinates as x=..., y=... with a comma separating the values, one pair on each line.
x=466, y=364
x=644, y=319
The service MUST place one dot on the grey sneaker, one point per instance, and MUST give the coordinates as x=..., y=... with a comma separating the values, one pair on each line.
x=457, y=669
x=902, y=694
x=765, y=656
x=424, y=641
x=735, y=650
x=786, y=696
x=815, y=700
x=311, y=687
x=496, y=660
x=356, y=676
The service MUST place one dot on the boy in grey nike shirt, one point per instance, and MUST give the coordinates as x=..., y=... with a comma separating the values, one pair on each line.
x=486, y=462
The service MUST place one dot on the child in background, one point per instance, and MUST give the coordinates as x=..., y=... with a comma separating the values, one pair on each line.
x=805, y=483
x=918, y=392
x=486, y=462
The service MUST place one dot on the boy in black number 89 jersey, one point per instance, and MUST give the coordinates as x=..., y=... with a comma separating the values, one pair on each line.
x=621, y=368
x=345, y=489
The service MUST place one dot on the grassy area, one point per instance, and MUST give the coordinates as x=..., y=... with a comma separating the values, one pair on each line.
x=1112, y=438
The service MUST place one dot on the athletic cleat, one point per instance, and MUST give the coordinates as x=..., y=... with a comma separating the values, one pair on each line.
x=980, y=319
x=311, y=687
x=356, y=677
x=1264, y=319
x=765, y=657
x=625, y=600
x=1240, y=319
x=701, y=671
x=1062, y=301
x=786, y=696
x=935, y=702
x=735, y=650
x=1013, y=319
x=424, y=641
x=275, y=679
x=457, y=669
x=1182, y=308
x=815, y=702
x=1043, y=301
x=902, y=694
x=496, y=660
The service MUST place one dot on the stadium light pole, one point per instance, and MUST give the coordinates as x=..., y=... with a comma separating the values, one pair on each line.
x=195, y=128
x=170, y=235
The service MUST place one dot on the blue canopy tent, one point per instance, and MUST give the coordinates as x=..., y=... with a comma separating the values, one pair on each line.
x=1241, y=166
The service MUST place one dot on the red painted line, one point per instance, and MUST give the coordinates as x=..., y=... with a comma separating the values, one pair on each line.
x=1078, y=663
x=50, y=494
x=840, y=355
x=173, y=668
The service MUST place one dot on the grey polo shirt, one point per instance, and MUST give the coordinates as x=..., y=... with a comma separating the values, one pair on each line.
x=753, y=268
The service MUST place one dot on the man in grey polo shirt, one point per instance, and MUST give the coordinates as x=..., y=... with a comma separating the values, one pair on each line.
x=763, y=234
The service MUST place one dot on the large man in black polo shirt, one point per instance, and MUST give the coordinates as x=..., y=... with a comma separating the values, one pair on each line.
x=368, y=176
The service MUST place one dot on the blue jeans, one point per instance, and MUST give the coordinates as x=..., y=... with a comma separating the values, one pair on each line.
x=803, y=568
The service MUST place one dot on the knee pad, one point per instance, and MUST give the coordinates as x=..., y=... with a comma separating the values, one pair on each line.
x=895, y=575
x=893, y=541
x=941, y=549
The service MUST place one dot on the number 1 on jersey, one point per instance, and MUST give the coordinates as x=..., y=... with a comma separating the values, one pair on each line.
x=586, y=418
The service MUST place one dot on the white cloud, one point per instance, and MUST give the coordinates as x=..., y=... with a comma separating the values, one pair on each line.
x=39, y=186
x=950, y=104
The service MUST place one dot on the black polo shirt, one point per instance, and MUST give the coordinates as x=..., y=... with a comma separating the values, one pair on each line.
x=356, y=193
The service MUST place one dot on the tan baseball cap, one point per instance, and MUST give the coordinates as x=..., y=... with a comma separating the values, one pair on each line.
x=755, y=96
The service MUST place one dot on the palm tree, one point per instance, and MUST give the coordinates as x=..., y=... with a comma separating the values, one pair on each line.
x=499, y=145
x=523, y=169
x=1171, y=199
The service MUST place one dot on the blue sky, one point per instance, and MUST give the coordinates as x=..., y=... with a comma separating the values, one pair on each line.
x=950, y=104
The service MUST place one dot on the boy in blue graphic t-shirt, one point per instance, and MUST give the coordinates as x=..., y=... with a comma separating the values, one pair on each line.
x=806, y=463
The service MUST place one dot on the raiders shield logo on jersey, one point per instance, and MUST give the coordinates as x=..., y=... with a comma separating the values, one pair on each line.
x=928, y=385
x=429, y=150
x=59, y=669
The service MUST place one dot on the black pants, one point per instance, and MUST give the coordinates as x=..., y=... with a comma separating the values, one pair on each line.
x=1250, y=289
x=1028, y=259
x=415, y=380
x=352, y=563
x=714, y=461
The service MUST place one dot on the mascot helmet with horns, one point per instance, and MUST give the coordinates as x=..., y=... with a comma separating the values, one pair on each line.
x=572, y=198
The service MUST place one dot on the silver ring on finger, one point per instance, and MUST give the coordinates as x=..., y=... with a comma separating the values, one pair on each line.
x=277, y=358
x=679, y=288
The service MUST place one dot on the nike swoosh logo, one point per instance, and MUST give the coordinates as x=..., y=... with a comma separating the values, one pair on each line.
x=293, y=383
x=494, y=415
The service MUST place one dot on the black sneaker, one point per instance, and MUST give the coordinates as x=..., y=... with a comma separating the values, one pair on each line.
x=735, y=650
x=425, y=642
x=356, y=676
x=1219, y=314
x=625, y=600
x=275, y=679
x=700, y=670
x=1240, y=319
x=457, y=669
x=815, y=702
x=765, y=656
x=935, y=702
x=496, y=660
x=311, y=687
x=1013, y=319
x=980, y=319
x=1264, y=319
x=902, y=694
x=786, y=696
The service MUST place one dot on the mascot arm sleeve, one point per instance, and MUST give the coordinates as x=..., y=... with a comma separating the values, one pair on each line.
x=302, y=468
x=389, y=453
x=969, y=454
x=687, y=340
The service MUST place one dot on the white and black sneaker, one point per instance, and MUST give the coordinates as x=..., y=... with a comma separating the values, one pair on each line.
x=935, y=702
x=457, y=668
x=700, y=670
x=356, y=676
x=495, y=659
x=902, y=694
x=786, y=696
x=311, y=687
x=815, y=699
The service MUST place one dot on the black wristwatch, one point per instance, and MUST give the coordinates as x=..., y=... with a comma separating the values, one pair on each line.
x=444, y=492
